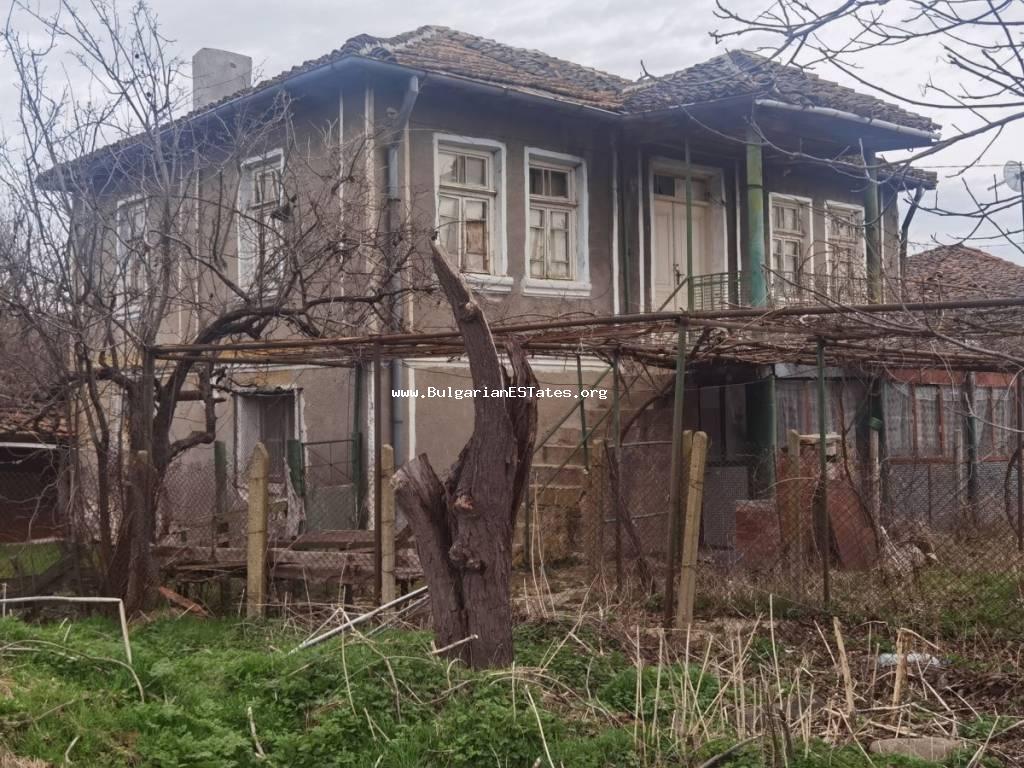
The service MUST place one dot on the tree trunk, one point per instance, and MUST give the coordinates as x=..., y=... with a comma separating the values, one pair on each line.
x=464, y=525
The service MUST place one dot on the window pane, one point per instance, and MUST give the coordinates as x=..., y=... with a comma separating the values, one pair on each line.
x=559, y=184
x=927, y=420
x=558, y=254
x=1001, y=423
x=898, y=419
x=664, y=185
x=448, y=224
x=267, y=187
x=447, y=167
x=476, y=171
x=536, y=181
x=476, y=236
x=537, y=268
x=952, y=418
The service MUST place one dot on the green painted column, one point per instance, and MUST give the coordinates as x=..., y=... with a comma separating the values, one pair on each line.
x=873, y=230
x=761, y=427
x=755, y=221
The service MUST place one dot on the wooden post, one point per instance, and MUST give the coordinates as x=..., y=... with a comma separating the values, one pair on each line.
x=220, y=499
x=387, y=525
x=676, y=490
x=691, y=529
x=792, y=527
x=256, y=553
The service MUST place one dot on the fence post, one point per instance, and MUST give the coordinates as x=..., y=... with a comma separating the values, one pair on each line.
x=691, y=528
x=793, y=546
x=821, y=497
x=1020, y=463
x=583, y=413
x=617, y=441
x=220, y=499
x=387, y=525
x=677, y=473
x=256, y=551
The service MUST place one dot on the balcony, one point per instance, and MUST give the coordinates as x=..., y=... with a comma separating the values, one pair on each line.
x=728, y=290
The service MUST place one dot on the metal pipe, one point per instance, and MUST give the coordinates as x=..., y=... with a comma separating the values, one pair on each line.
x=378, y=543
x=316, y=640
x=689, y=226
x=617, y=443
x=755, y=220
x=583, y=413
x=676, y=473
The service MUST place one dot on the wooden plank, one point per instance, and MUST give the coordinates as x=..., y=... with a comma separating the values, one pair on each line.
x=256, y=549
x=691, y=530
x=387, y=526
x=340, y=540
x=190, y=606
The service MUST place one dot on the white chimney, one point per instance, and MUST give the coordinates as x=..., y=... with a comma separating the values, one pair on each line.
x=216, y=74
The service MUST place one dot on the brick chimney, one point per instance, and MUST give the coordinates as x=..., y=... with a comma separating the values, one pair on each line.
x=216, y=74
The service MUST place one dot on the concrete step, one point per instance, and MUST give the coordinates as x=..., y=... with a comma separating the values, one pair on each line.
x=559, y=496
x=556, y=453
x=542, y=473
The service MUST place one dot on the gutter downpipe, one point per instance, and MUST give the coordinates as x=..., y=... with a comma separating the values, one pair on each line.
x=394, y=200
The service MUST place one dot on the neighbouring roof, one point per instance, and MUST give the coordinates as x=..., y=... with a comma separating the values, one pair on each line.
x=953, y=272
x=741, y=73
x=35, y=422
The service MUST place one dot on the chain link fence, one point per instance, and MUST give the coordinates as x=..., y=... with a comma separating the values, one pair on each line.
x=929, y=535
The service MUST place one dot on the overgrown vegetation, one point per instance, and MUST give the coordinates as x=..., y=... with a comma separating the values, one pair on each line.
x=226, y=693
x=28, y=558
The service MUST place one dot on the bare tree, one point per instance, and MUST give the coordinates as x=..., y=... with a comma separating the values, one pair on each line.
x=464, y=525
x=979, y=97
x=128, y=225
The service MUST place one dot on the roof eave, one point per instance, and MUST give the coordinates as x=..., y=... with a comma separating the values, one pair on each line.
x=918, y=134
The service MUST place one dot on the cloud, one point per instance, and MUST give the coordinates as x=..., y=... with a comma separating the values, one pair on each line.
x=611, y=35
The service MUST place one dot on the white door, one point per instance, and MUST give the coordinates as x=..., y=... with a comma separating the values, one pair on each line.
x=669, y=235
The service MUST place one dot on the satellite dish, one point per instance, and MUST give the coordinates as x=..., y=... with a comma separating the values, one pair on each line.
x=1013, y=175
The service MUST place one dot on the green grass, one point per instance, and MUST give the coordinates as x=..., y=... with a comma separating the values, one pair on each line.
x=27, y=558
x=383, y=701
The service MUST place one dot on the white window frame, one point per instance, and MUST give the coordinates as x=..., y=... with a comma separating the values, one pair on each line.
x=498, y=281
x=248, y=167
x=808, y=203
x=834, y=205
x=130, y=308
x=580, y=286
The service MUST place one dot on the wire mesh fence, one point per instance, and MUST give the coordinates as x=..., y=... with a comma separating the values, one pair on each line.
x=931, y=544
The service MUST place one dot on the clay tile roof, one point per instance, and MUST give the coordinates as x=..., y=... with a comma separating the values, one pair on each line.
x=32, y=423
x=449, y=51
x=952, y=272
x=460, y=54
x=743, y=73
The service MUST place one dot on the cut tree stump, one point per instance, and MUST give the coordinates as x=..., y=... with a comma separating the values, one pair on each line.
x=464, y=525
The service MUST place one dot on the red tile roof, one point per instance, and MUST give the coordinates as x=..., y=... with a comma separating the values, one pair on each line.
x=741, y=73
x=951, y=272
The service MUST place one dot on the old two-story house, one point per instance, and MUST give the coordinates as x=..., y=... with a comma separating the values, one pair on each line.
x=560, y=191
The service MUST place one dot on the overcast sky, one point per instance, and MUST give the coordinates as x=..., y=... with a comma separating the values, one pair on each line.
x=615, y=36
